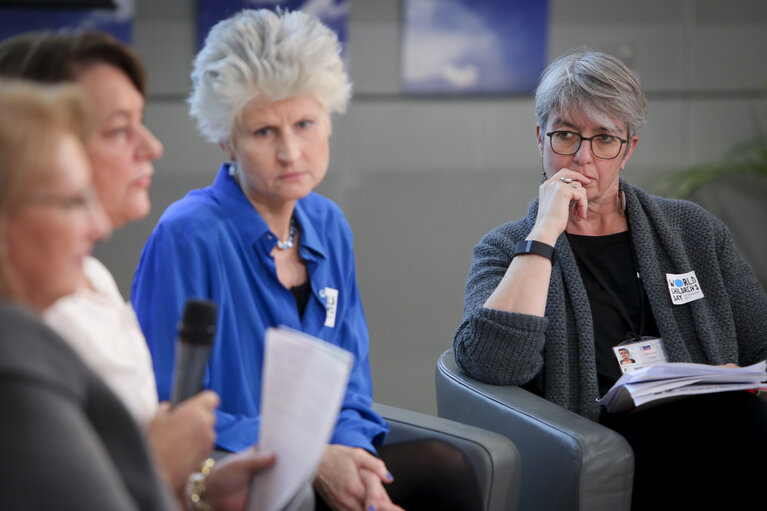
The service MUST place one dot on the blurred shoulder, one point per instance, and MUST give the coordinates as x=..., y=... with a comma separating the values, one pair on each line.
x=194, y=220
x=197, y=205
x=31, y=350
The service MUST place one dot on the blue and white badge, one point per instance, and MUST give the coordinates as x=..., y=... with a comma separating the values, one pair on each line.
x=683, y=287
x=331, y=305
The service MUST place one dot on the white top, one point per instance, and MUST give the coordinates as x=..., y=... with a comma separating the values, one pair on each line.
x=102, y=328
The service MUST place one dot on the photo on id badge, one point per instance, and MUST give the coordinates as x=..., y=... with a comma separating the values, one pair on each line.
x=635, y=354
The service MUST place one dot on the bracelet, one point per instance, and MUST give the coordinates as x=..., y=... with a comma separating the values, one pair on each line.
x=195, y=487
x=525, y=247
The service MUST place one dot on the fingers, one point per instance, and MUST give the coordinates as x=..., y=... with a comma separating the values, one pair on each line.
x=376, y=498
x=163, y=409
x=199, y=407
x=229, y=481
x=570, y=177
x=579, y=201
x=192, y=423
x=250, y=459
x=571, y=184
x=206, y=398
x=338, y=479
x=243, y=466
x=561, y=197
x=367, y=461
x=258, y=461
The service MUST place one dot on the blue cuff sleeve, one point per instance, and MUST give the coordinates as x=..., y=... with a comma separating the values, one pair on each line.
x=235, y=433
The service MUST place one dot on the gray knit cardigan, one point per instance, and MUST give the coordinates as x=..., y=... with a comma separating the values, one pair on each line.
x=554, y=355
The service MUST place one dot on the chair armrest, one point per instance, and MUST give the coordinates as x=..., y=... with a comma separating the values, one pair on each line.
x=494, y=458
x=568, y=461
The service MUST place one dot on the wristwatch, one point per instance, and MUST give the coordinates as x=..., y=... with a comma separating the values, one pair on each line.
x=525, y=247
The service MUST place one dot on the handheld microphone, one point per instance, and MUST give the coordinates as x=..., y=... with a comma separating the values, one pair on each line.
x=193, y=343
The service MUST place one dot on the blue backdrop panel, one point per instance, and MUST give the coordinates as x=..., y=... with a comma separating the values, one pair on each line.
x=473, y=46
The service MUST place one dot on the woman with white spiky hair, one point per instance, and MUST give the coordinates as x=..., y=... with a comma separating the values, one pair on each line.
x=269, y=251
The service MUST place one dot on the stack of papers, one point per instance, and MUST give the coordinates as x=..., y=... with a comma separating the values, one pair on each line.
x=303, y=386
x=671, y=379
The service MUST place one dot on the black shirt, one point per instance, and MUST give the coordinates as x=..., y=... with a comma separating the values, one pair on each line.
x=301, y=296
x=612, y=256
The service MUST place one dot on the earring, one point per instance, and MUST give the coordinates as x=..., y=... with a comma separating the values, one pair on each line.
x=233, y=167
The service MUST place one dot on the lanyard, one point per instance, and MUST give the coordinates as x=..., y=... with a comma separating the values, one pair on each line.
x=602, y=282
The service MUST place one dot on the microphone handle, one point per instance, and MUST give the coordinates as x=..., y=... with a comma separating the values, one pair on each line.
x=191, y=362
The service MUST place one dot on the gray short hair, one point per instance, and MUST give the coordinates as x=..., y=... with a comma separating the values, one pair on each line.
x=259, y=53
x=593, y=83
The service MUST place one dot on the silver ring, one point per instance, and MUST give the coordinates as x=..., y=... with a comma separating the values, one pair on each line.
x=576, y=184
x=567, y=180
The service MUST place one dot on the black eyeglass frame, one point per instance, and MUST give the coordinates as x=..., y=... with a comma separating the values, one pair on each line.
x=582, y=138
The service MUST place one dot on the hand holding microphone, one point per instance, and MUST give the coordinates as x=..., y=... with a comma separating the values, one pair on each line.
x=183, y=436
x=196, y=331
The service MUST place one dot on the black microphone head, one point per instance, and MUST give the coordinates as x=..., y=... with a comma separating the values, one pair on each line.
x=198, y=324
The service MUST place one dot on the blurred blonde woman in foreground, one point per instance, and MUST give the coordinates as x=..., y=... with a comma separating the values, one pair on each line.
x=67, y=440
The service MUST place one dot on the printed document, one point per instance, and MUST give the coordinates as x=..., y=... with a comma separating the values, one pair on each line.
x=671, y=379
x=303, y=385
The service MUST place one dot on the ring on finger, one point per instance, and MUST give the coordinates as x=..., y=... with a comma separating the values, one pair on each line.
x=567, y=180
x=575, y=184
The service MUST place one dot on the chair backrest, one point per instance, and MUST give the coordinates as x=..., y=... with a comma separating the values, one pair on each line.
x=568, y=461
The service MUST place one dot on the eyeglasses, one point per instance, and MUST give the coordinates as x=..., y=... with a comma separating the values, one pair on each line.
x=84, y=201
x=604, y=147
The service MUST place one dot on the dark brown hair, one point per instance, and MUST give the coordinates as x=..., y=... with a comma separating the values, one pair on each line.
x=53, y=57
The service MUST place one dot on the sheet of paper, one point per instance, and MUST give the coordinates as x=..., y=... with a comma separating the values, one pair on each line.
x=685, y=370
x=653, y=387
x=676, y=379
x=705, y=388
x=303, y=384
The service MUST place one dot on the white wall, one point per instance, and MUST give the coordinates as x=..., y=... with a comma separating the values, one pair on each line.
x=422, y=179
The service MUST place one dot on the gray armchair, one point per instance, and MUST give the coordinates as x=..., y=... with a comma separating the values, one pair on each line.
x=568, y=461
x=495, y=459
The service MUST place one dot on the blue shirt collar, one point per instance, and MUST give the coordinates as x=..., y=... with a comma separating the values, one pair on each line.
x=238, y=208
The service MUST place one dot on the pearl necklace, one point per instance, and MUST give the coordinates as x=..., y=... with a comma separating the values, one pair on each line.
x=285, y=245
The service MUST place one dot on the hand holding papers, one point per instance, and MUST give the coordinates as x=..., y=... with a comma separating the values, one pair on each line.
x=303, y=385
x=678, y=379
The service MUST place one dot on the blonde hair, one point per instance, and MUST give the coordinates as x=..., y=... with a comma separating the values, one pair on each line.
x=259, y=53
x=33, y=119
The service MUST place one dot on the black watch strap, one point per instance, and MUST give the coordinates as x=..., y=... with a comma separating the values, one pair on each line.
x=525, y=247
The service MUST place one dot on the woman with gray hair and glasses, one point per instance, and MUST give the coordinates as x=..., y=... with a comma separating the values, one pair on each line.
x=269, y=251
x=595, y=265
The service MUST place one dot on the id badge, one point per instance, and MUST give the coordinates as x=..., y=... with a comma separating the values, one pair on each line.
x=635, y=354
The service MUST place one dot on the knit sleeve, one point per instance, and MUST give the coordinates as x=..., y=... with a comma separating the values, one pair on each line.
x=497, y=347
x=747, y=300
